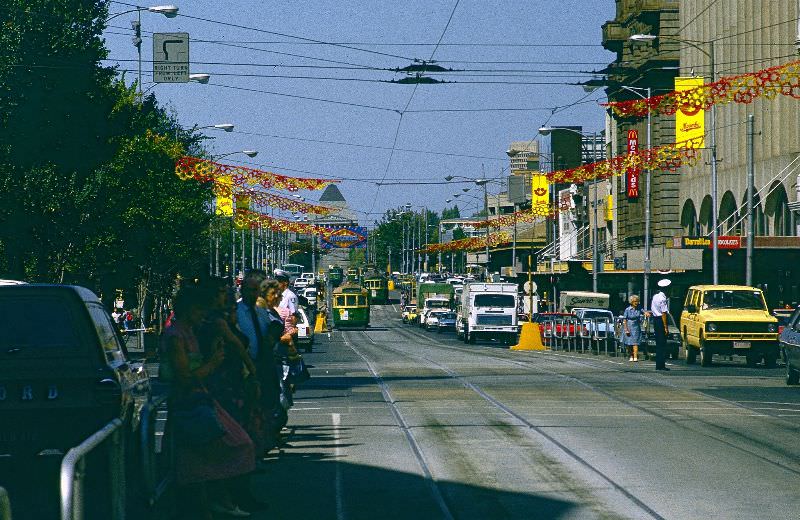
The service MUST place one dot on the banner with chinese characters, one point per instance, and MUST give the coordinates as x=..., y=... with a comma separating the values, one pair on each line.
x=690, y=120
x=632, y=172
x=540, y=195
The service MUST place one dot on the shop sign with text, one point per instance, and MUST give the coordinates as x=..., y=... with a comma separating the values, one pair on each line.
x=632, y=175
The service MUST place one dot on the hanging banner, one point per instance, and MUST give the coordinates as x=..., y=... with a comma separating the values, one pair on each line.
x=632, y=173
x=350, y=237
x=540, y=195
x=224, y=195
x=690, y=120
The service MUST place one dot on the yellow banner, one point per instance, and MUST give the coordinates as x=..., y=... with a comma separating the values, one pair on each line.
x=242, y=203
x=689, y=124
x=224, y=200
x=540, y=194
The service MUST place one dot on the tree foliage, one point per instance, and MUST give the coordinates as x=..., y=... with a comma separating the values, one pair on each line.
x=88, y=192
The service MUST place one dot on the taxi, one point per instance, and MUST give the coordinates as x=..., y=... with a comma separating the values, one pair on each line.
x=408, y=310
x=728, y=320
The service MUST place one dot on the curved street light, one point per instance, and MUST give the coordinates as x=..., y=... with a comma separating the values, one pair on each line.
x=249, y=153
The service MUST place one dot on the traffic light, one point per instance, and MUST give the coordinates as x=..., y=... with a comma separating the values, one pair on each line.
x=137, y=30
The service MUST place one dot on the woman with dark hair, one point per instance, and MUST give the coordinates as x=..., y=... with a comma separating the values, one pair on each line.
x=209, y=444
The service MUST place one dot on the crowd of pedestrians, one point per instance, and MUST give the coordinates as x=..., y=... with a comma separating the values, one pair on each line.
x=231, y=364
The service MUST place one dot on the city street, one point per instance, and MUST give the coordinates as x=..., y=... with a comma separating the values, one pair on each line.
x=403, y=423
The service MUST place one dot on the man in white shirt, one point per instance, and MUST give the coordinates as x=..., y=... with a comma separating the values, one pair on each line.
x=659, y=309
x=288, y=297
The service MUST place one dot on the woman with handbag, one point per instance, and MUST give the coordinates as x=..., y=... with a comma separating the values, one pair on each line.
x=209, y=444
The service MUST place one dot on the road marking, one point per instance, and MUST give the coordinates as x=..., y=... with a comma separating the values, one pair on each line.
x=336, y=419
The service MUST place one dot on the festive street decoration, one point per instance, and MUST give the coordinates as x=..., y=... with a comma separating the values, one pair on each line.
x=245, y=218
x=224, y=191
x=744, y=88
x=468, y=244
x=205, y=170
x=537, y=213
x=668, y=157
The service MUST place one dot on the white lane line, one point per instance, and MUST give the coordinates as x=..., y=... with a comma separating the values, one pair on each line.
x=336, y=419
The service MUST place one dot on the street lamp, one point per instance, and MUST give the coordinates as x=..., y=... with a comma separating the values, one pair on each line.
x=249, y=153
x=713, y=145
x=170, y=11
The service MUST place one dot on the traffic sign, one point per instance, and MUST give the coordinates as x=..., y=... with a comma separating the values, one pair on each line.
x=170, y=57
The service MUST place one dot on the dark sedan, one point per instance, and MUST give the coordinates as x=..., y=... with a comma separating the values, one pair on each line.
x=790, y=342
x=447, y=321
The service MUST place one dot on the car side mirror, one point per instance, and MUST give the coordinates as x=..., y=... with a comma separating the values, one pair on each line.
x=691, y=308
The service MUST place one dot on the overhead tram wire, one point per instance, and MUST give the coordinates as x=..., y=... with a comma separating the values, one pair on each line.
x=695, y=17
x=400, y=121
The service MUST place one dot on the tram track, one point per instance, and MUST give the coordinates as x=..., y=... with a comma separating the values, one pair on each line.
x=637, y=503
x=778, y=453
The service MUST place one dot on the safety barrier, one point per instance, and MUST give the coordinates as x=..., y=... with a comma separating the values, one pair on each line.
x=581, y=335
x=157, y=457
x=5, y=505
x=73, y=473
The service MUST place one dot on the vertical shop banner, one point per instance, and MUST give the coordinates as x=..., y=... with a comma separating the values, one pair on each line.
x=690, y=123
x=540, y=195
x=225, y=195
x=241, y=203
x=632, y=175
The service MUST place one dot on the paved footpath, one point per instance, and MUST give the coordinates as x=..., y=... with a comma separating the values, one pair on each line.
x=401, y=423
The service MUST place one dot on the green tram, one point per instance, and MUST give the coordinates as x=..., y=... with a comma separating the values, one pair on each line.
x=354, y=275
x=336, y=276
x=350, y=307
x=378, y=289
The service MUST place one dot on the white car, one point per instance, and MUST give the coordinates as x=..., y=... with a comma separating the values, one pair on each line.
x=305, y=330
x=310, y=277
x=310, y=294
x=300, y=283
x=432, y=318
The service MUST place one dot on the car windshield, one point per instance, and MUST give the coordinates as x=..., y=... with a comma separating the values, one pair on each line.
x=731, y=299
x=434, y=304
x=494, y=300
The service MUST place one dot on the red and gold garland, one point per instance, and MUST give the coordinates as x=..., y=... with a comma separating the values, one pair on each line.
x=744, y=88
x=467, y=244
x=245, y=218
x=272, y=200
x=205, y=170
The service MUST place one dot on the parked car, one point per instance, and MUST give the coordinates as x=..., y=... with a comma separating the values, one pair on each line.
x=446, y=321
x=305, y=331
x=728, y=320
x=407, y=311
x=790, y=342
x=64, y=374
x=647, y=347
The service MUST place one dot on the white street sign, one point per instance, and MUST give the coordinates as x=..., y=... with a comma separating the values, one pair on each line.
x=170, y=57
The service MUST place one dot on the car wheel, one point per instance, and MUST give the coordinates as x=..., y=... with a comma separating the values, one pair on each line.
x=676, y=352
x=705, y=354
x=471, y=338
x=752, y=359
x=691, y=353
x=792, y=375
x=770, y=359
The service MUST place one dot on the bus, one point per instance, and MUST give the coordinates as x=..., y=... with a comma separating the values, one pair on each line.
x=294, y=270
x=350, y=307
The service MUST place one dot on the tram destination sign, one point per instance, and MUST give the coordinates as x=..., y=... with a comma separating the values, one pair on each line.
x=171, y=57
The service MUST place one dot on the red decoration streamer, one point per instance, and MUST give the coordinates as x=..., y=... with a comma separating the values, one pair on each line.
x=270, y=199
x=245, y=218
x=467, y=244
x=744, y=88
x=205, y=170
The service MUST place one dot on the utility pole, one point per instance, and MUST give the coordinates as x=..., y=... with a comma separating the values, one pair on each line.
x=595, y=259
x=751, y=221
x=714, y=230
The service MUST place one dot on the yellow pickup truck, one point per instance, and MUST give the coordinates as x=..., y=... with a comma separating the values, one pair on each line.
x=728, y=320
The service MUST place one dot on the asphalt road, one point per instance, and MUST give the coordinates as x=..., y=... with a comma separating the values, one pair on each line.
x=401, y=423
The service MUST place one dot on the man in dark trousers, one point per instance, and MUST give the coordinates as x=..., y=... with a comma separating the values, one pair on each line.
x=659, y=309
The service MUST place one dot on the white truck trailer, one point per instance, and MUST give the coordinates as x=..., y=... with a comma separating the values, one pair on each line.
x=489, y=311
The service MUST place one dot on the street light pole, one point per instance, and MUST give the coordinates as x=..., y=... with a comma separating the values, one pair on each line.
x=595, y=260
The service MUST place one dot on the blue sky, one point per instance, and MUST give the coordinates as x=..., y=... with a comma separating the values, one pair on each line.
x=245, y=44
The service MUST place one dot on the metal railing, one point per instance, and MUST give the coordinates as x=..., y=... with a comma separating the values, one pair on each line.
x=157, y=462
x=73, y=473
x=5, y=505
x=573, y=335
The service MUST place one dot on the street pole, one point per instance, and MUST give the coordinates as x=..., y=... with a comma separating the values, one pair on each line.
x=486, y=207
x=139, y=49
x=514, y=244
x=751, y=228
x=647, y=217
x=595, y=262
x=714, y=231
